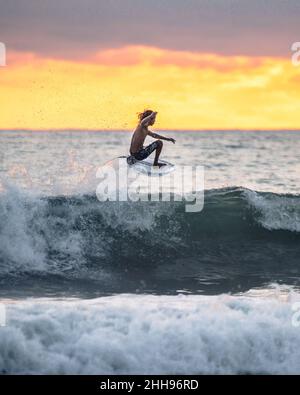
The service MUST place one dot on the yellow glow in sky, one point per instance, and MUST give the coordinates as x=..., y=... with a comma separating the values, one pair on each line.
x=189, y=91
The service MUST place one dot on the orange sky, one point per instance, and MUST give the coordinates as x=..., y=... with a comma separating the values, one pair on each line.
x=190, y=90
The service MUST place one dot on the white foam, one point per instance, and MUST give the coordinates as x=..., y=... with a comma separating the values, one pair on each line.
x=150, y=334
x=28, y=230
x=277, y=212
x=37, y=235
x=18, y=242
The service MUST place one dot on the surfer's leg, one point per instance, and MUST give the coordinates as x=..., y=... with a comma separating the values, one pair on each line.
x=159, y=145
x=146, y=151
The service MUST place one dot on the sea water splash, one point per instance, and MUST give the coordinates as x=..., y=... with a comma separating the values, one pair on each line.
x=277, y=212
x=79, y=237
x=36, y=230
x=124, y=335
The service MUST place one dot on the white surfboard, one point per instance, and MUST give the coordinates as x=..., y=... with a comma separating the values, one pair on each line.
x=146, y=167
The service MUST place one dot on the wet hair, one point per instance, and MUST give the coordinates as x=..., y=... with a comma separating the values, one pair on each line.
x=144, y=114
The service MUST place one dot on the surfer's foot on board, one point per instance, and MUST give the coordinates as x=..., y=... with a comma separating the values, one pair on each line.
x=159, y=165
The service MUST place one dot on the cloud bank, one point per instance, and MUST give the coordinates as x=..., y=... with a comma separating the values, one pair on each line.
x=76, y=28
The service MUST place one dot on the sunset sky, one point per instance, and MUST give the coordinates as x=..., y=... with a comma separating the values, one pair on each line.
x=202, y=64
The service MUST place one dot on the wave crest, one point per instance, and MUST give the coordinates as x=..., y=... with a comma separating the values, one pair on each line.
x=81, y=236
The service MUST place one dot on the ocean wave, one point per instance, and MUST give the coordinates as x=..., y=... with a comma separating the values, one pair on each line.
x=276, y=212
x=78, y=236
x=150, y=335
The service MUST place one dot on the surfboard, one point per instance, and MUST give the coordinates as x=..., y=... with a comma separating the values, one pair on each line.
x=146, y=166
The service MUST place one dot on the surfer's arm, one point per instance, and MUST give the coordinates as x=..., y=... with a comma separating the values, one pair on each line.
x=158, y=136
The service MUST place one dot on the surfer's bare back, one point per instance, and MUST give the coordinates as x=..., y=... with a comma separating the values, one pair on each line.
x=137, y=150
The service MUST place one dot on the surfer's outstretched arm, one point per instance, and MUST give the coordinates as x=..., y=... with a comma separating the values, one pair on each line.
x=158, y=136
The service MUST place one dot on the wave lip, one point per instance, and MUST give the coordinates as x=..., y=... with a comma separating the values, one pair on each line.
x=277, y=212
x=80, y=237
x=151, y=335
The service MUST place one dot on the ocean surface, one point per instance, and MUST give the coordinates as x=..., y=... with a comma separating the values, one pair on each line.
x=146, y=287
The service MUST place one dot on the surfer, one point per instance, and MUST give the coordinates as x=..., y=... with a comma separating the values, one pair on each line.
x=137, y=150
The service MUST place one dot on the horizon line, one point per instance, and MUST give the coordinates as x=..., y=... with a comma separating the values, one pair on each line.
x=284, y=129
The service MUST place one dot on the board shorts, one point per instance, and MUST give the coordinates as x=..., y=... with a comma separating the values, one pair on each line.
x=142, y=153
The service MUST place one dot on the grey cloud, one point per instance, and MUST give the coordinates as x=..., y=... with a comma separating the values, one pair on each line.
x=78, y=27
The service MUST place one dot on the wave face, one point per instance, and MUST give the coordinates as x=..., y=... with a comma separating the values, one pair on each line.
x=242, y=238
x=125, y=334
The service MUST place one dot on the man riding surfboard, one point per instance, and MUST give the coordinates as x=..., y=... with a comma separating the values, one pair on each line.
x=137, y=150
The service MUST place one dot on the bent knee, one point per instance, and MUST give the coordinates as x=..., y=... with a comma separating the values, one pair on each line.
x=159, y=143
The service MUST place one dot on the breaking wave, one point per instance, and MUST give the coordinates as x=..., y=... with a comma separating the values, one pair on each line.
x=80, y=237
x=125, y=334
